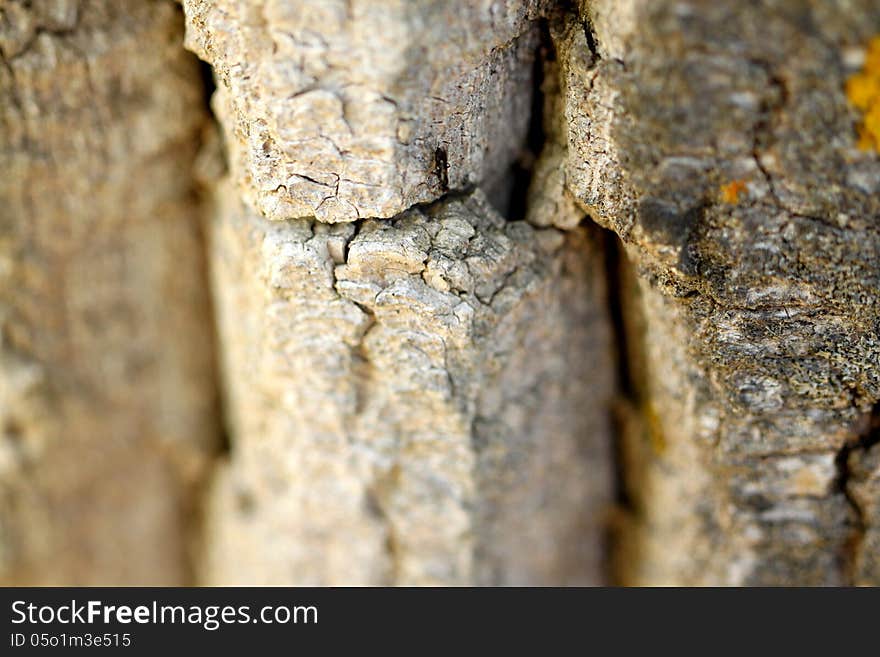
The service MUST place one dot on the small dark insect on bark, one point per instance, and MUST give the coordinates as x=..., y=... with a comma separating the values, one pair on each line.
x=441, y=168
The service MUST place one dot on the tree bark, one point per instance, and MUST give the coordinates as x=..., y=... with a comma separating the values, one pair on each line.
x=491, y=278
x=107, y=392
x=716, y=140
x=344, y=110
x=407, y=399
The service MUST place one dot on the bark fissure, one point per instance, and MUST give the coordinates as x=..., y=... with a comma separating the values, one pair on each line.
x=523, y=168
x=627, y=398
x=846, y=461
x=483, y=275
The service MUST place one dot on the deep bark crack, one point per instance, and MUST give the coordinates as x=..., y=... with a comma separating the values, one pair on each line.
x=843, y=485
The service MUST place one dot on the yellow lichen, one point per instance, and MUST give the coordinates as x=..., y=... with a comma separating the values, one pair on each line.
x=654, y=427
x=731, y=192
x=863, y=92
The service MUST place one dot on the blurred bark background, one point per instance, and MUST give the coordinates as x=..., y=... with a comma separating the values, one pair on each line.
x=419, y=292
x=108, y=401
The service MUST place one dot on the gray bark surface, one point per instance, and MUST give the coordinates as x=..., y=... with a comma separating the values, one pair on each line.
x=760, y=312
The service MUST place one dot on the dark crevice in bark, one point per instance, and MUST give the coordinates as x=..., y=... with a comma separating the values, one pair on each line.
x=222, y=444
x=535, y=138
x=208, y=82
x=843, y=462
x=614, y=262
x=626, y=395
x=441, y=168
x=592, y=43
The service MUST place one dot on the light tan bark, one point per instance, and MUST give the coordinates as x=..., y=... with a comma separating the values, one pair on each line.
x=106, y=393
x=419, y=399
x=416, y=401
x=349, y=109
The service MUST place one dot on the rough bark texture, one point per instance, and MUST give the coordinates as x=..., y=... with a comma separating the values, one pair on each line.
x=416, y=401
x=716, y=140
x=349, y=109
x=417, y=351
x=106, y=397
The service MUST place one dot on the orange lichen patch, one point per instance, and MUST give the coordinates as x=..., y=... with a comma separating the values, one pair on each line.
x=863, y=92
x=731, y=192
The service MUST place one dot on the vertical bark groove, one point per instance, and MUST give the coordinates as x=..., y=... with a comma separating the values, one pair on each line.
x=484, y=275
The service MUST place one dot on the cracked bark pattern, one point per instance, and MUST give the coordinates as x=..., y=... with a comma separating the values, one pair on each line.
x=417, y=388
x=348, y=109
x=415, y=401
x=760, y=343
x=106, y=397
